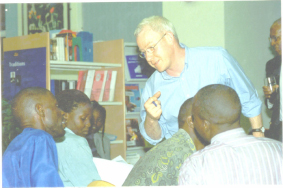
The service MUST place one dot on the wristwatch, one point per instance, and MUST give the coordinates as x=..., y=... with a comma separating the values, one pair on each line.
x=261, y=129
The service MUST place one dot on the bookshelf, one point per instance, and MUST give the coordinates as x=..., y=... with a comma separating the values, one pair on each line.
x=138, y=151
x=107, y=55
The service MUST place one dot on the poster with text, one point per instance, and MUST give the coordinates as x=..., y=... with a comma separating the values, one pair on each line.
x=22, y=69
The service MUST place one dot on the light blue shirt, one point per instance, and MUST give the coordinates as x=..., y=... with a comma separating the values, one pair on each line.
x=76, y=167
x=203, y=66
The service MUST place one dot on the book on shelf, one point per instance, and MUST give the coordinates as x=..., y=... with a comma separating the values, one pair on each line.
x=134, y=137
x=68, y=36
x=60, y=48
x=22, y=70
x=56, y=86
x=89, y=82
x=86, y=46
x=109, y=89
x=98, y=85
x=133, y=98
x=77, y=49
x=136, y=67
x=81, y=80
x=72, y=84
x=53, y=49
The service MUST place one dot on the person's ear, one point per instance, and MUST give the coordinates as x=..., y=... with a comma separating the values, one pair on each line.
x=65, y=116
x=39, y=109
x=207, y=126
x=169, y=37
x=189, y=121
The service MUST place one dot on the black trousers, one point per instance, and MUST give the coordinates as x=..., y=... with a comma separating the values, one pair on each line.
x=275, y=131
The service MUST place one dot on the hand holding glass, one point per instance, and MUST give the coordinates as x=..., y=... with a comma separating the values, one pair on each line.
x=270, y=82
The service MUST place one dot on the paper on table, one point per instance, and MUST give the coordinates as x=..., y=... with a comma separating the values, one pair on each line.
x=112, y=171
x=119, y=159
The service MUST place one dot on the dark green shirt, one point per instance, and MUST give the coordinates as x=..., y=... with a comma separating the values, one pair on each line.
x=160, y=166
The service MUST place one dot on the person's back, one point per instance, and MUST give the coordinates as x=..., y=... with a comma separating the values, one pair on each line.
x=20, y=159
x=229, y=160
x=160, y=165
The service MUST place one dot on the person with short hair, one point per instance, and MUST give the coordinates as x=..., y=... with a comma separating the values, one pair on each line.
x=180, y=73
x=160, y=165
x=76, y=166
x=31, y=159
x=233, y=157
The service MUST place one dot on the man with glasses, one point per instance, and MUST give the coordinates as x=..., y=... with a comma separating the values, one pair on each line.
x=181, y=72
x=273, y=68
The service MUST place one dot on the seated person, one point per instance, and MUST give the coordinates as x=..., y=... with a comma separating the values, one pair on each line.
x=76, y=167
x=98, y=142
x=31, y=160
x=160, y=165
x=229, y=159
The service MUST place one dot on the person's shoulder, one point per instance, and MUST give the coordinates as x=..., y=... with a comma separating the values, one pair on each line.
x=204, y=49
x=275, y=60
x=76, y=139
x=36, y=133
x=269, y=141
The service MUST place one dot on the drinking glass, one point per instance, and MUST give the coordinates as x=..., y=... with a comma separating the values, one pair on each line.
x=270, y=81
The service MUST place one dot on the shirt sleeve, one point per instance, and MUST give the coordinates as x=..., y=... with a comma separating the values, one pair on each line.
x=145, y=96
x=43, y=163
x=251, y=104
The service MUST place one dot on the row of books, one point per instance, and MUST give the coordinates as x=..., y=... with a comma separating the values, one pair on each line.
x=66, y=45
x=98, y=85
x=56, y=86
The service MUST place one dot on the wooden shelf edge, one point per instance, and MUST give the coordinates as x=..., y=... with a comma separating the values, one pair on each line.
x=117, y=142
x=80, y=65
x=110, y=103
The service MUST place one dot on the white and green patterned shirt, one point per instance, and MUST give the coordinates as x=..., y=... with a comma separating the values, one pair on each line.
x=160, y=165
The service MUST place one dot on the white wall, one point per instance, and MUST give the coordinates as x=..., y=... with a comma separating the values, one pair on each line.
x=247, y=27
x=197, y=23
x=242, y=27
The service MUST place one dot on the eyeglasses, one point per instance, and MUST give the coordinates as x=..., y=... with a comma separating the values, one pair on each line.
x=274, y=38
x=151, y=49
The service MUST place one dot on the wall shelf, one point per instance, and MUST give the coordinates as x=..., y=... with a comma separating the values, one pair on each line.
x=110, y=103
x=80, y=65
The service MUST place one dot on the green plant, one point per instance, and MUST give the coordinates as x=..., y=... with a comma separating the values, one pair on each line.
x=10, y=129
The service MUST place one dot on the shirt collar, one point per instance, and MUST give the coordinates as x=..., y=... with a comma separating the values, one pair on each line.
x=229, y=135
x=69, y=130
x=167, y=76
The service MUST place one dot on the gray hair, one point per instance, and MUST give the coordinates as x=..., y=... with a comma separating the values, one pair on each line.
x=157, y=24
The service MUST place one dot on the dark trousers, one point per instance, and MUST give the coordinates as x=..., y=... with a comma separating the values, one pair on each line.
x=275, y=131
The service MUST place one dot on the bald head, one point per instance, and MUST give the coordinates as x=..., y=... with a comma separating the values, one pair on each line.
x=24, y=102
x=37, y=108
x=184, y=112
x=218, y=104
